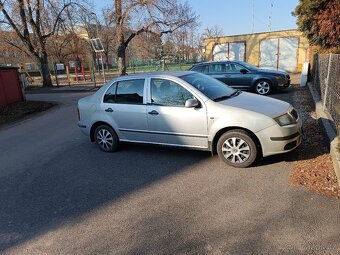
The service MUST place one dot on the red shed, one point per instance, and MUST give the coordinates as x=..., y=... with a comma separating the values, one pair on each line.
x=10, y=86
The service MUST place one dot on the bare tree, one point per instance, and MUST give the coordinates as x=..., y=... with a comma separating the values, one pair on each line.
x=34, y=22
x=212, y=32
x=147, y=16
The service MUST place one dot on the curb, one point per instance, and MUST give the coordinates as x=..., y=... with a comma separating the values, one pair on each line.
x=61, y=90
x=326, y=121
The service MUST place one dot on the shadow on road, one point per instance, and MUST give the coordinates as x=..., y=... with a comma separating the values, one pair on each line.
x=65, y=188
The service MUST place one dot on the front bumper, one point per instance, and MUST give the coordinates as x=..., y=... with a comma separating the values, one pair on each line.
x=284, y=84
x=277, y=139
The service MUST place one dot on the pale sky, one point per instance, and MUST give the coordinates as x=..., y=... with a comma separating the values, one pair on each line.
x=235, y=17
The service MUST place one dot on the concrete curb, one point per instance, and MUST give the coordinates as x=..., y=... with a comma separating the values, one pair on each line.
x=326, y=121
x=62, y=89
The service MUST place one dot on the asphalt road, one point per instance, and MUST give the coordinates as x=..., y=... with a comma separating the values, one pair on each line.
x=59, y=194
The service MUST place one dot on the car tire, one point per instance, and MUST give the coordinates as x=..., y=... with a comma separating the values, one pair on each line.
x=236, y=148
x=263, y=87
x=106, y=138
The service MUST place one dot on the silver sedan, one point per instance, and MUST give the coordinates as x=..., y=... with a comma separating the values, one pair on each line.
x=189, y=110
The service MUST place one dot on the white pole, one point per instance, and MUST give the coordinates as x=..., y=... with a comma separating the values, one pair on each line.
x=101, y=59
x=327, y=81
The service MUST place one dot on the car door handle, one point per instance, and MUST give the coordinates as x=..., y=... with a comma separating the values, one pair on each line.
x=153, y=112
x=109, y=110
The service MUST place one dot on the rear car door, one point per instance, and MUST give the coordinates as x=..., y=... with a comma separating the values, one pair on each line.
x=125, y=105
x=217, y=70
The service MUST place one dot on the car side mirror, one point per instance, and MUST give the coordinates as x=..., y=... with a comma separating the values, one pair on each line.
x=244, y=71
x=191, y=103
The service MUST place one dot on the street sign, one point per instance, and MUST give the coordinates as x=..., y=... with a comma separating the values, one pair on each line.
x=97, y=45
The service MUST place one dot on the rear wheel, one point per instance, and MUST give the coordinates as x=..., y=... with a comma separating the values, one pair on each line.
x=263, y=87
x=237, y=148
x=106, y=138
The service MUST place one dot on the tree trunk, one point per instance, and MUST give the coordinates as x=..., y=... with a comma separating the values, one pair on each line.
x=45, y=70
x=121, y=59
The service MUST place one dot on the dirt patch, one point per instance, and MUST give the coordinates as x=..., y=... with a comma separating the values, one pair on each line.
x=20, y=110
x=313, y=168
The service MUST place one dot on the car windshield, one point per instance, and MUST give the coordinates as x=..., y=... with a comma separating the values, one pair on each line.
x=248, y=66
x=212, y=88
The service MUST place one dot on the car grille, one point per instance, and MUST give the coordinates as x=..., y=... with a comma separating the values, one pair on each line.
x=294, y=114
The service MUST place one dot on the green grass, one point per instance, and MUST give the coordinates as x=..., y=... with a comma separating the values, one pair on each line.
x=20, y=110
x=158, y=68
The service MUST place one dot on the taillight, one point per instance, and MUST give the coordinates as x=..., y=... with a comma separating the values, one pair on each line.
x=78, y=113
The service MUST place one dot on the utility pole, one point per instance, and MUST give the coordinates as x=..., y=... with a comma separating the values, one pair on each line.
x=253, y=19
x=270, y=17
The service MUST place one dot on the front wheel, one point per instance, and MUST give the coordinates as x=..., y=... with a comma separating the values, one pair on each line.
x=263, y=87
x=237, y=148
x=106, y=138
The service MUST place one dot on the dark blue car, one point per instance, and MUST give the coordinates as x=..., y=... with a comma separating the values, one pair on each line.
x=241, y=75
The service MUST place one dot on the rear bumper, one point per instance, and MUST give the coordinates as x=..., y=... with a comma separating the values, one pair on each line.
x=84, y=127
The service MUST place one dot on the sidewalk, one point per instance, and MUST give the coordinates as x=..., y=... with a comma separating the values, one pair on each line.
x=63, y=88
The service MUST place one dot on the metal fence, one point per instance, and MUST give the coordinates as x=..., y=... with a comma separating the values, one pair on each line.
x=326, y=80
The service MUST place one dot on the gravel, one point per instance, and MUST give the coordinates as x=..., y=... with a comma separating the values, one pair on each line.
x=313, y=168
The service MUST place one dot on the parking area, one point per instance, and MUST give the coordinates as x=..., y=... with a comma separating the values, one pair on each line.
x=60, y=194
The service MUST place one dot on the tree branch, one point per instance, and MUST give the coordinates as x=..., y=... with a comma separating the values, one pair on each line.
x=24, y=37
x=57, y=20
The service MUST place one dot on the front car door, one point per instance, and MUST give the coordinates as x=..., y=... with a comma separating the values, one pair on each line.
x=169, y=121
x=236, y=78
x=125, y=105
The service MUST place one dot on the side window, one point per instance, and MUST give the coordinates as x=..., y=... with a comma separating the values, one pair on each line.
x=228, y=68
x=205, y=69
x=236, y=67
x=200, y=69
x=125, y=92
x=168, y=93
x=216, y=68
x=197, y=69
x=130, y=92
x=110, y=95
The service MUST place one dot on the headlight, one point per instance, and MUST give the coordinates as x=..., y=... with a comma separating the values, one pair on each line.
x=285, y=120
x=279, y=77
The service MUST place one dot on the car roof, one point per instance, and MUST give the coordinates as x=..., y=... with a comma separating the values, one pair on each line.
x=154, y=74
x=218, y=61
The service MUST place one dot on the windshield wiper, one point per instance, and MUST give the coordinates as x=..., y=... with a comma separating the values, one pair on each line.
x=221, y=98
x=236, y=93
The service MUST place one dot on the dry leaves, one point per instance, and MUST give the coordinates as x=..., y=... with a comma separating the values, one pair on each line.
x=314, y=167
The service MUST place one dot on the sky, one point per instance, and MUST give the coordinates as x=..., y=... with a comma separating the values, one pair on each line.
x=235, y=16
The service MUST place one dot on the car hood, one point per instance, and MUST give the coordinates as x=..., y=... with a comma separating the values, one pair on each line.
x=273, y=72
x=261, y=104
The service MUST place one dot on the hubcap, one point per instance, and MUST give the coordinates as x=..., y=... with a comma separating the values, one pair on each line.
x=263, y=87
x=104, y=139
x=236, y=150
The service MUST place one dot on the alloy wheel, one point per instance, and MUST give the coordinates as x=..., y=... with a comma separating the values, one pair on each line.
x=263, y=88
x=236, y=150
